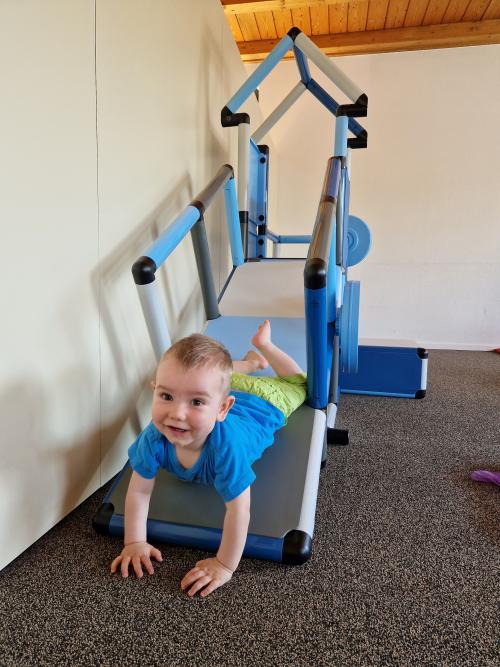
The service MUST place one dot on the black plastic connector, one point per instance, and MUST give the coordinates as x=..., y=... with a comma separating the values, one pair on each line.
x=264, y=149
x=358, y=142
x=296, y=547
x=420, y=393
x=337, y=436
x=422, y=353
x=294, y=33
x=102, y=518
x=144, y=270
x=357, y=110
x=230, y=119
x=199, y=205
x=315, y=273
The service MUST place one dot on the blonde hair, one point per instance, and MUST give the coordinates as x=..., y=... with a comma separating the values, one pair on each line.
x=198, y=350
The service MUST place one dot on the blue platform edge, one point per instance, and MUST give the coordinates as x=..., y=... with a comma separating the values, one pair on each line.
x=208, y=539
x=386, y=371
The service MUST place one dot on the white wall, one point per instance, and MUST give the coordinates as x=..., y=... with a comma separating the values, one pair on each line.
x=110, y=124
x=428, y=187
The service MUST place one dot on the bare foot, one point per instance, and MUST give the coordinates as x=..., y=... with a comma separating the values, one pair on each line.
x=256, y=358
x=263, y=335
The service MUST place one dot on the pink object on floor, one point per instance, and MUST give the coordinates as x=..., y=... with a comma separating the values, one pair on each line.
x=486, y=476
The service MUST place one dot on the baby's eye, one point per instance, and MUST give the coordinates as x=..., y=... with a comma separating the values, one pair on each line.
x=197, y=402
x=165, y=397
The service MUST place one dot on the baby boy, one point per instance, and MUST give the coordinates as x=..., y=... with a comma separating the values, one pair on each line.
x=210, y=422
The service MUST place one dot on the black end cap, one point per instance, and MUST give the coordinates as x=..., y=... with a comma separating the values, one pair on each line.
x=231, y=168
x=243, y=215
x=102, y=518
x=296, y=547
x=315, y=273
x=357, y=110
x=264, y=149
x=358, y=142
x=337, y=436
x=362, y=100
x=230, y=119
x=420, y=393
x=199, y=205
x=144, y=270
x=294, y=33
x=422, y=353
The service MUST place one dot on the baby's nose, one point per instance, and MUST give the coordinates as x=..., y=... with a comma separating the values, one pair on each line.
x=177, y=411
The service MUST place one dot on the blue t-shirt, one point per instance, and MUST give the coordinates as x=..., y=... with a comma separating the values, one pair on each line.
x=228, y=453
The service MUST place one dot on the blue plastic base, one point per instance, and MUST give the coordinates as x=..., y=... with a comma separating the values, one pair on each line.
x=387, y=371
x=207, y=539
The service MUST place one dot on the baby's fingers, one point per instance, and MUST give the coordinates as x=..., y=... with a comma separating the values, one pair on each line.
x=190, y=577
x=198, y=585
x=215, y=583
x=115, y=563
x=136, y=564
x=124, y=566
x=156, y=553
x=145, y=560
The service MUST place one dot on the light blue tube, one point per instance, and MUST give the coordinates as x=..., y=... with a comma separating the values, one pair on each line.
x=295, y=238
x=233, y=222
x=173, y=235
x=282, y=47
x=332, y=279
x=341, y=127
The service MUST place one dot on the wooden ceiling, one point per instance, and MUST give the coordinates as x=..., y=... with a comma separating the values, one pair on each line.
x=349, y=27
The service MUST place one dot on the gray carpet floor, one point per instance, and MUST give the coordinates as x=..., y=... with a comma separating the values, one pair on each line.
x=405, y=566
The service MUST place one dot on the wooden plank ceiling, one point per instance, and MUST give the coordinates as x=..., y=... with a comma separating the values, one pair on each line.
x=349, y=27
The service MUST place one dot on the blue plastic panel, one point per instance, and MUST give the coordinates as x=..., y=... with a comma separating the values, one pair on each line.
x=349, y=318
x=256, y=546
x=318, y=364
x=386, y=371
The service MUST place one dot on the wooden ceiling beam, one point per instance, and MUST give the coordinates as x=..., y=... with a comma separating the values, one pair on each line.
x=246, y=7
x=473, y=33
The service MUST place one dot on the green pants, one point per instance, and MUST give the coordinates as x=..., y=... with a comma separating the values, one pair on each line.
x=285, y=393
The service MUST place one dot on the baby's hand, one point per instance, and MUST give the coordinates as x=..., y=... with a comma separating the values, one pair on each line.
x=137, y=553
x=208, y=574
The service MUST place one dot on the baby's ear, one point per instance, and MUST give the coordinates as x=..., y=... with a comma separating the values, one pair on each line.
x=225, y=406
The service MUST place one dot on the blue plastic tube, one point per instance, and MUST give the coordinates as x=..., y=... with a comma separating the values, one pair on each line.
x=173, y=235
x=233, y=222
x=341, y=127
x=281, y=48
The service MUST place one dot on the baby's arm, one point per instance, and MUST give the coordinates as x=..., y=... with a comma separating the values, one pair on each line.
x=211, y=573
x=136, y=550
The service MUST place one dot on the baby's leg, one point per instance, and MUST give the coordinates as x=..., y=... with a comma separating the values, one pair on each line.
x=251, y=362
x=283, y=365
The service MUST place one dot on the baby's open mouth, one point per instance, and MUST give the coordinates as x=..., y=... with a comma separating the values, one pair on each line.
x=177, y=430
